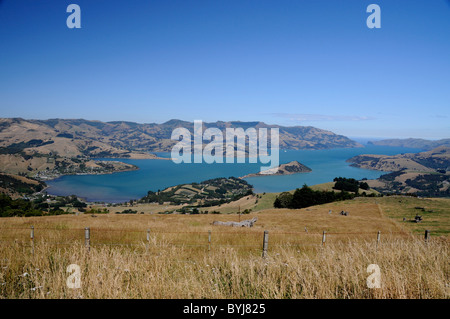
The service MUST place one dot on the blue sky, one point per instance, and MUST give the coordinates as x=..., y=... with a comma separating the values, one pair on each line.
x=282, y=62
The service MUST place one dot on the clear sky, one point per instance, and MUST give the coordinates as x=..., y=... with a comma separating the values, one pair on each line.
x=288, y=62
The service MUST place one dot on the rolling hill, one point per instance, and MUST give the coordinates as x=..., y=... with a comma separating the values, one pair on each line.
x=424, y=174
x=123, y=139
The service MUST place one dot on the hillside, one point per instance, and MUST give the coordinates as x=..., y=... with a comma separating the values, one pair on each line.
x=195, y=259
x=413, y=143
x=67, y=138
x=49, y=149
x=207, y=193
x=124, y=139
x=430, y=161
x=48, y=167
x=424, y=174
x=16, y=186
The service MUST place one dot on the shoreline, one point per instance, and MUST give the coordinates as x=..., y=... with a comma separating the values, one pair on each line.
x=135, y=168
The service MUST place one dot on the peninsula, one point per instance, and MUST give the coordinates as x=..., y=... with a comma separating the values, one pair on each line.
x=293, y=167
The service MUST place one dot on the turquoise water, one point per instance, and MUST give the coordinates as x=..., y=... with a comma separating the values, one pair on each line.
x=159, y=174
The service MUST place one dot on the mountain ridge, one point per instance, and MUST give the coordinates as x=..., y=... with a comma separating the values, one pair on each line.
x=413, y=143
x=153, y=137
x=55, y=147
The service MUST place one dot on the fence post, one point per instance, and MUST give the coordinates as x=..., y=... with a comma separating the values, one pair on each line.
x=209, y=240
x=378, y=239
x=427, y=235
x=324, y=238
x=87, y=238
x=265, y=243
x=32, y=239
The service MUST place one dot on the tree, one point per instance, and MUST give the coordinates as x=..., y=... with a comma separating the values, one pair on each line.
x=346, y=184
x=303, y=197
x=364, y=186
x=78, y=204
x=284, y=200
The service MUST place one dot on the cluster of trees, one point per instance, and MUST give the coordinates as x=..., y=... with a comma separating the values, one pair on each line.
x=349, y=184
x=23, y=208
x=97, y=211
x=194, y=210
x=15, y=148
x=127, y=211
x=19, y=186
x=60, y=201
x=190, y=210
x=305, y=197
x=390, y=177
x=40, y=206
x=430, y=185
x=426, y=185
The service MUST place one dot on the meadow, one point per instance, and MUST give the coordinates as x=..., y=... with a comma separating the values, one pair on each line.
x=168, y=256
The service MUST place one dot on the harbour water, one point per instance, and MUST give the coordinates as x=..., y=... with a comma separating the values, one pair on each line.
x=158, y=174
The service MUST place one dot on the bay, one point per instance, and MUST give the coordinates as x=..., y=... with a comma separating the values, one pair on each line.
x=156, y=175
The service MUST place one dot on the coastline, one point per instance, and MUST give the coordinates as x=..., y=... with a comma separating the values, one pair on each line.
x=98, y=173
x=139, y=156
x=291, y=168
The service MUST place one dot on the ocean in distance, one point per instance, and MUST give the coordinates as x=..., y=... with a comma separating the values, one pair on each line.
x=159, y=174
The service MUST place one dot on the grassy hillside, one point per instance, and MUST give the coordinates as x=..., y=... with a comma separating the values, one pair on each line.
x=207, y=193
x=434, y=211
x=180, y=262
x=16, y=186
x=425, y=174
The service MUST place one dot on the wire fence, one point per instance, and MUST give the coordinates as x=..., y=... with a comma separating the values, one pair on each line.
x=154, y=238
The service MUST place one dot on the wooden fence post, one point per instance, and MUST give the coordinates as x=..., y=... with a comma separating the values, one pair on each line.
x=427, y=235
x=378, y=239
x=265, y=243
x=32, y=239
x=324, y=238
x=87, y=238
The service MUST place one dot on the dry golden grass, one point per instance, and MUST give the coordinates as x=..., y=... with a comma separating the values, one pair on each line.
x=179, y=262
x=409, y=269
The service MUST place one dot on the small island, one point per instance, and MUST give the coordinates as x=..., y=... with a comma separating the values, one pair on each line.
x=293, y=167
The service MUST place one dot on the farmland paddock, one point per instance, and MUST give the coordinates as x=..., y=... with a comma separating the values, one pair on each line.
x=184, y=256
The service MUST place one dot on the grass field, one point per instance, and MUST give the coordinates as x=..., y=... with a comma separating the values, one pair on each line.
x=435, y=213
x=179, y=261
